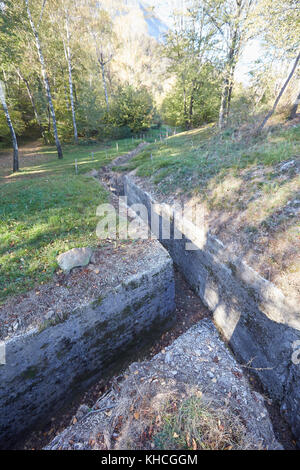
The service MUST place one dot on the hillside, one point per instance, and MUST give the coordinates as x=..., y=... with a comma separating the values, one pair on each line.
x=249, y=187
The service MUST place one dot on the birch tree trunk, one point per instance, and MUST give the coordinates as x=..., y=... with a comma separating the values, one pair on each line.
x=11, y=128
x=264, y=122
x=294, y=108
x=46, y=81
x=68, y=59
x=102, y=65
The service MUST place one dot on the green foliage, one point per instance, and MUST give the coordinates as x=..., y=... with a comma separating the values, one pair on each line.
x=19, y=125
x=204, y=98
x=131, y=108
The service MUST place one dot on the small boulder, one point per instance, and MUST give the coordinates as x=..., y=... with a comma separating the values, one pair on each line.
x=286, y=166
x=74, y=258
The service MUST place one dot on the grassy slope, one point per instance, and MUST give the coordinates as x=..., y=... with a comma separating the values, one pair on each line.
x=191, y=160
x=46, y=209
x=252, y=203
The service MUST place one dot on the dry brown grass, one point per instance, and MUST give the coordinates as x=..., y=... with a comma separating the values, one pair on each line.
x=169, y=415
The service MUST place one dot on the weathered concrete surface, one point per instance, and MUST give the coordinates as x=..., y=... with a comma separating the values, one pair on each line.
x=197, y=363
x=45, y=366
x=259, y=323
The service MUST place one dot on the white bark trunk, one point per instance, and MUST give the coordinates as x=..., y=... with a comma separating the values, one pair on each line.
x=11, y=128
x=264, y=122
x=46, y=81
x=68, y=59
x=104, y=84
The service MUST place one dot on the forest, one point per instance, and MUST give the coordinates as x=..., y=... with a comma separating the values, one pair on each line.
x=84, y=70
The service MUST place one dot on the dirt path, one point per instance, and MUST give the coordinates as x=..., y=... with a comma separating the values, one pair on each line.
x=28, y=155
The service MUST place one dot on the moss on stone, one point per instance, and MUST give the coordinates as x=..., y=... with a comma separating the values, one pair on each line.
x=30, y=373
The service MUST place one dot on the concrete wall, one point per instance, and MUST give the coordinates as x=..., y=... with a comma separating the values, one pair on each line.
x=46, y=367
x=259, y=323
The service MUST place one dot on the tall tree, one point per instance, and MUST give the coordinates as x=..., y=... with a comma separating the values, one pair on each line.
x=271, y=112
x=11, y=128
x=189, y=49
x=45, y=77
x=67, y=49
x=65, y=21
x=294, y=108
x=100, y=29
x=279, y=22
x=231, y=20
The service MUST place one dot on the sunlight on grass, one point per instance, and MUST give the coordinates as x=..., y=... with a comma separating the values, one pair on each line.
x=46, y=209
x=190, y=160
x=39, y=219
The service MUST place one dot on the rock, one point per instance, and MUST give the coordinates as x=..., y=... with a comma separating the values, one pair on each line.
x=287, y=165
x=74, y=258
x=49, y=314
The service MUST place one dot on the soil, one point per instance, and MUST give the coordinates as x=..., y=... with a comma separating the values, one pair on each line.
x=28, y=155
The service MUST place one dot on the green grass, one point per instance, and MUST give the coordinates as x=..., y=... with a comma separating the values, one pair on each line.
x=46, y=209
x=190, y=160
x=39, y=219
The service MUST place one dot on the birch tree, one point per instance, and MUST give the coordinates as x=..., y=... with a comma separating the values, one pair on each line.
x=100, y=29
x=64, y=17
x=45, y=76
x=231, y=20
x=11, y=128
x=67, y=50
x=271, y=112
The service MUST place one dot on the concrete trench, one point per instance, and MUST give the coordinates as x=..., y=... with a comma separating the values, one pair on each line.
x=259, y=323
x=253, y=316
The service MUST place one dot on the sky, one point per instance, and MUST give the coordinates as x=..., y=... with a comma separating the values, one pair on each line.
x=163, y=10
x=252, y=52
